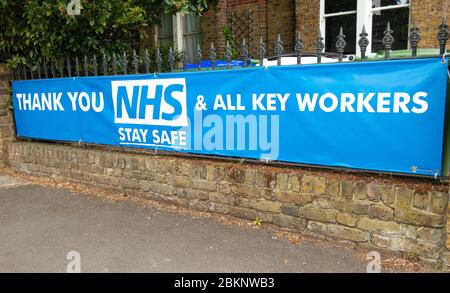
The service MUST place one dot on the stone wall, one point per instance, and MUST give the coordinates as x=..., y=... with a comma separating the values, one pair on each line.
x=401, y=215
x=6, y=119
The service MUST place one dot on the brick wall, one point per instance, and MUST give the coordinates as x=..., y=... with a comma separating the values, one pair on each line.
x=281, y=20
x=428, y=14
x=269, y=18
x=213, y=23
x=285, y=17
x=398, y=215
x=307, y=21
x=6, y=119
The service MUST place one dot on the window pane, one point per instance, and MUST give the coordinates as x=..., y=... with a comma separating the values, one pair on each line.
x=381, y=3
x=192, y=24
x=165, y=31
x=399, y=19
x=333, y=6
x=333, y=25
x=192, y=35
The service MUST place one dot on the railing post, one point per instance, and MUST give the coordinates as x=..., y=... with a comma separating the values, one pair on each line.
x=158, y=60
x=147, y=61
x=95, y=65
x=61, y=68
x=199, y=58
x=261, y=51
x=340, y=44
x=319, y=46
x=244, y=53
x=86, y=66
x=38, y=68
x=388, y=40
x=213, y=56
x=363, y=42
x=52, y=69
x=69, y=68
x=114, y=64
x=171, y=59
x=299, y=48
x=105, y=64
x=184, y=59
x=125, y=63
x=414, y=38
x=135, y=62
x=228, y=55
x=31, y=71
x=443, y=35
x=279, y=50
x=45, y=70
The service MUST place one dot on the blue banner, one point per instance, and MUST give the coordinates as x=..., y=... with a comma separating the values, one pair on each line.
x=383, y=116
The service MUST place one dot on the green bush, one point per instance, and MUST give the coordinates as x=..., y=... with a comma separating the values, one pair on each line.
x=41, y=31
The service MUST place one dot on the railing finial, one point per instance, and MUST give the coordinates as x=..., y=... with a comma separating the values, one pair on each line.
x=86, y=66
x=299, y=48
x=443, y=35
x=171, y=59
x=95, y=65
x=69, y=68
x=245, y=53
x=340, y=44
x=199, y=57
x=228, y=55
x=363, y=42
x=414, y=38
x=319, y=46
x=279, y=49
x=135, y=62
x=213, y=56
x=388, y=40
x=125, y=63
x=147, y=61
x=105, y=64
x=261, y=51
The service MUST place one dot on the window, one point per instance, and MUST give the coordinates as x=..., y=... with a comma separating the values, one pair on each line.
x=340, y=14
x=192, y=34
x=180, y=31
x=352, y=15
x=165, y=31
x=397, y=13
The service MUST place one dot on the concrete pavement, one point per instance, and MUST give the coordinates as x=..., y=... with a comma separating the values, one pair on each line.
x=40, y=225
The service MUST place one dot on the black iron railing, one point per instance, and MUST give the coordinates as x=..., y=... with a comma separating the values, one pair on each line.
x=142, y=62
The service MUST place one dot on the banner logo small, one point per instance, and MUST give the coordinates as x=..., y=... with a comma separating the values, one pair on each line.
x=159, y=102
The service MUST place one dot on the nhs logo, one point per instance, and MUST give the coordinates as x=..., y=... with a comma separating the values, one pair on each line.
x=160, y=102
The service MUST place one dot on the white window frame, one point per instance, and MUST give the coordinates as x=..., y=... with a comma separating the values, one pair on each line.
x=364, y=17
x=179, y=32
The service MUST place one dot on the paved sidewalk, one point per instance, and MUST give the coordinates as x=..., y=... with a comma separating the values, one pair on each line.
x=40, y=225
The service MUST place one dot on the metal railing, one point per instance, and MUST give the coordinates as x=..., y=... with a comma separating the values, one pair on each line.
x=143, y=62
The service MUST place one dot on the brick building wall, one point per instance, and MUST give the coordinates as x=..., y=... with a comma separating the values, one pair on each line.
x=268, y=19
x=285, y=17
x=307, y=21
x=428, y=14
x=213, y=23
